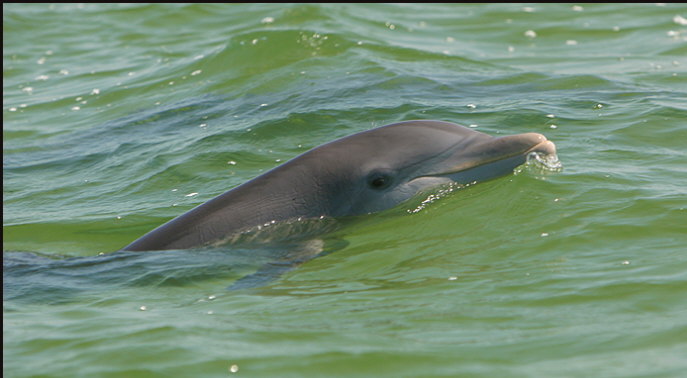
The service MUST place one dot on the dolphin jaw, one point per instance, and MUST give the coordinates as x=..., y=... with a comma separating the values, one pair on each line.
x=506, y=162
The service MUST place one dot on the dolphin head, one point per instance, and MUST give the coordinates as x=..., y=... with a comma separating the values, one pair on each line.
x=380, y=168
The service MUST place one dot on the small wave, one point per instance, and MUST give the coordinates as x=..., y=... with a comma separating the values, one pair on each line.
x=547, y=162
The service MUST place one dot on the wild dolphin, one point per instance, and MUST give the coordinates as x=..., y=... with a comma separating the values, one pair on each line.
x=363, y=173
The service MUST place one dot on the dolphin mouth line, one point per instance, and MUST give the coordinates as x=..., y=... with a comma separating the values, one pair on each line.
x=543, y=153
x=545, y=148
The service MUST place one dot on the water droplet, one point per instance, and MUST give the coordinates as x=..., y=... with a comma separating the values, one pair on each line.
x=267, y=20
x=143, y=308
x=530, y=34
x=196, y=72
x=234, y=368
x=192, y=194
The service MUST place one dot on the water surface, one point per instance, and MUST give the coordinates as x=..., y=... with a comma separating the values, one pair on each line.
x=117, y=118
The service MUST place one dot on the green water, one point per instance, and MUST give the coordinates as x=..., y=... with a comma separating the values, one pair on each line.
x=117, y=118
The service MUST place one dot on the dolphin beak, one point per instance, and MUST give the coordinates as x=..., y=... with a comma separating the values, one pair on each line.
x=544, y=146
x=496, y=157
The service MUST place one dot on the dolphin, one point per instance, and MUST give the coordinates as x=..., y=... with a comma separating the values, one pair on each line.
x=362, y=173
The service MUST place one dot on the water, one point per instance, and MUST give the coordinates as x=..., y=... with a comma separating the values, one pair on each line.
x=117, y=118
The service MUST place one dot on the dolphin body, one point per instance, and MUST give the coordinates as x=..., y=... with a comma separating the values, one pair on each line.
x=362, y=173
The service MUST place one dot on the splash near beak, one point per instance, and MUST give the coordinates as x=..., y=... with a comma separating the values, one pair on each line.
x=544, y=155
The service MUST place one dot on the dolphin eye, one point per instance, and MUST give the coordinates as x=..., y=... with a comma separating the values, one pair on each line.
x=379, y=181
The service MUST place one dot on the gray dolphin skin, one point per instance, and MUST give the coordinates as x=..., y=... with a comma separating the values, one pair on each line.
x=363, y=173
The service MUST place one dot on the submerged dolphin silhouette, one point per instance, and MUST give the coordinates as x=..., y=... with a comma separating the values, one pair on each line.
x=363, y=173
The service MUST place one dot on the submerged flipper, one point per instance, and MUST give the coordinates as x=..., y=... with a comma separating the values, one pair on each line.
x=266, y=274
x=297, y=255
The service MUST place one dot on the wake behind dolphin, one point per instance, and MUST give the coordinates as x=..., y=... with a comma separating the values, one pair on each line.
x=367, y=172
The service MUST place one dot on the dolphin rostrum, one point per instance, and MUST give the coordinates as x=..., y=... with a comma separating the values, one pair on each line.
x=363, y=173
